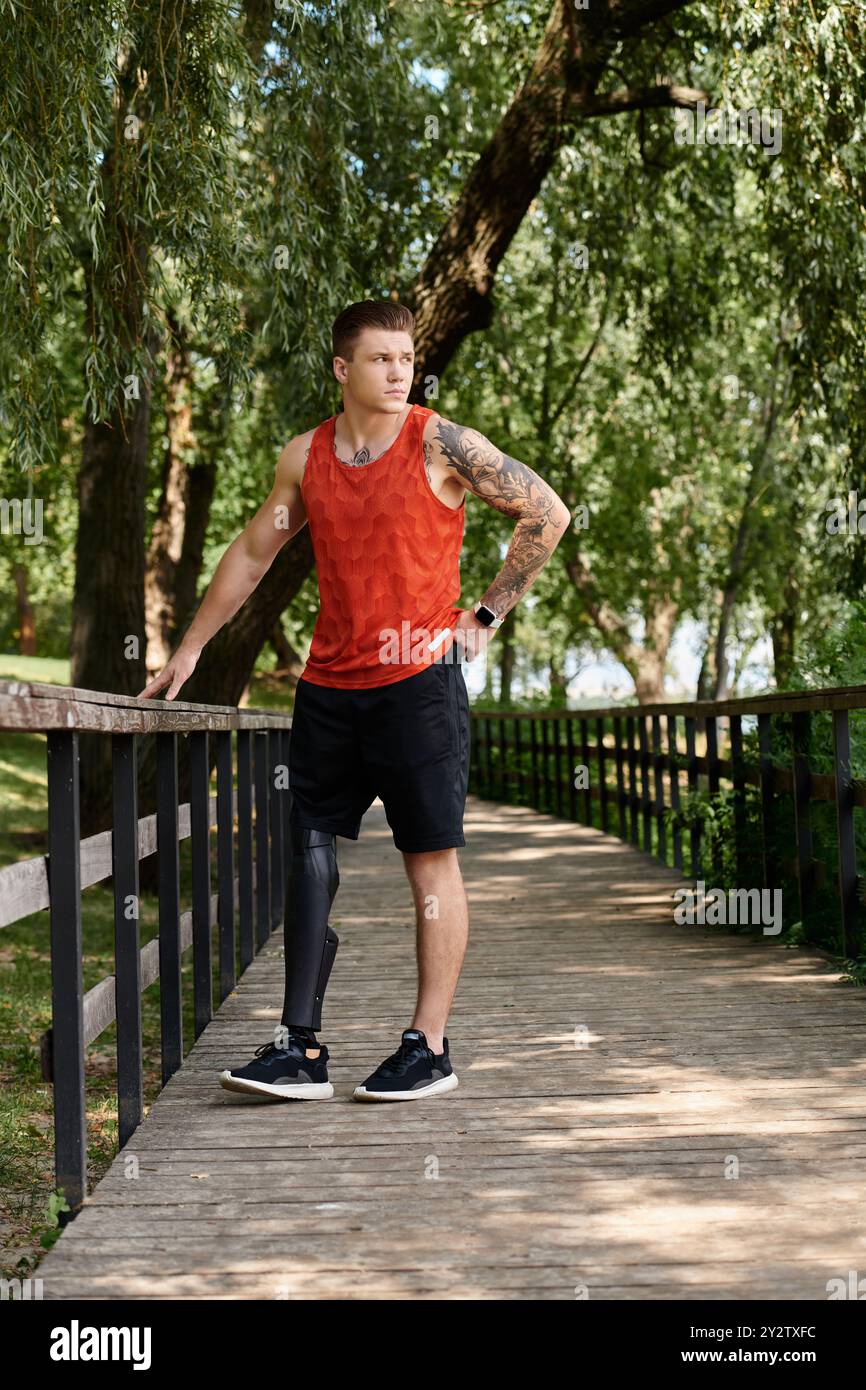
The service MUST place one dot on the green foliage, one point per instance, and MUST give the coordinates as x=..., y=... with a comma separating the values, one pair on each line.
x=51, y=1222
x=201, y=162
x=164, y=165
x=833, y=655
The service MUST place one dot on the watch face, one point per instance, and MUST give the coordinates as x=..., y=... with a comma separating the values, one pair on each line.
x=485, y=615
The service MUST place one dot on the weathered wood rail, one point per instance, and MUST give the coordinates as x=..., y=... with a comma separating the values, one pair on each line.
x=247, y=906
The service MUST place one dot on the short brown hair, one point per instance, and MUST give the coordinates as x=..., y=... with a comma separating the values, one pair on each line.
x=368, y=313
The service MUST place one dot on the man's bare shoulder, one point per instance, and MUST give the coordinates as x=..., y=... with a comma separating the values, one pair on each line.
x=430, y=424
x=293, y=459
x=446, y=435
x=440, y=431
x=442, y=438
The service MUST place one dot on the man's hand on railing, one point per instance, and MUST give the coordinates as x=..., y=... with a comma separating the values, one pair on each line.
x=177, y=672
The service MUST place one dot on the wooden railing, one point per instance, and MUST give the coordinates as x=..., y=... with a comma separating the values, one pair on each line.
x=251, y=816
x=638, y=775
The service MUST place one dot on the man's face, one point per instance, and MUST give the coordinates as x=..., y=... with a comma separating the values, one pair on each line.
x=379, y=375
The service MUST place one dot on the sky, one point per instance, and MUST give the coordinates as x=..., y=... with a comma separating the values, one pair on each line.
x=605, y=679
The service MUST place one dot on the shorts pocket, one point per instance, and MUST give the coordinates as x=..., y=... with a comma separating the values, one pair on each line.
x=414, y=726
x=453, y=712
x=463, y=715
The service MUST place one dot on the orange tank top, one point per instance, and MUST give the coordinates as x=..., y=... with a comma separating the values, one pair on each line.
x=387, y=555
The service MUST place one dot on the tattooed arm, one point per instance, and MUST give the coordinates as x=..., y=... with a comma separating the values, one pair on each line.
x=511, y=487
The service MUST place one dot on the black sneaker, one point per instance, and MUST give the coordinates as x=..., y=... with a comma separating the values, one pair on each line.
x=410, y=1073
x=283, y=1073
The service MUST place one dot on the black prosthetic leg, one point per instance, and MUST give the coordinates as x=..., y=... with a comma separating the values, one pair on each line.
x=310, y=944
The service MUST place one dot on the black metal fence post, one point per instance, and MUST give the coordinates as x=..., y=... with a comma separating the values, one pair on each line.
x=127, y=915
x=800, y=740
x=533, y=746
x=504, y=769
x=602, y=772
x=695, y=825
x=66, y=1065
x=225, y=863
x=557, y=763
x=738, y=777
x=633, y=798
x=646, y=803
x=518, y=760
x=768, y=826
x=712, y=743
x=674, y=772
x=572, y=770
x=845, y=826
x=202, y=965
x=661, y=838
x=245, y=847
x=488, y=775
x=263, y=867
x=620, y=779
x=168, y=871
x=584, y=755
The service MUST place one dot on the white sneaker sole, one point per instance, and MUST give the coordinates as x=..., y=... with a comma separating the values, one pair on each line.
x=304, y=1090
x=445, y=1083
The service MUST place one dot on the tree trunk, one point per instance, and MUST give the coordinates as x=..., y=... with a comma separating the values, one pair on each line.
x=507, y=655
x=108, y=632
x=649, y=675
x=290, y=664
x=783, y=630
x=706, y=680
x=737, y=568
x=645, y=662
x=558, y=685
x=26, y=616
x=452, y=296
x=169, y=527
x=108, y=635
x=202, y=482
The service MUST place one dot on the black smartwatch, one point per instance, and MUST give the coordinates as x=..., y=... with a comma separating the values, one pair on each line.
x=487, y=616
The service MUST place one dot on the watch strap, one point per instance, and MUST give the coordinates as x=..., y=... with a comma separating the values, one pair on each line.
x=495, y=622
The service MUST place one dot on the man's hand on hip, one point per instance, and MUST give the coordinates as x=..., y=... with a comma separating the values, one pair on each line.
x=472, y=635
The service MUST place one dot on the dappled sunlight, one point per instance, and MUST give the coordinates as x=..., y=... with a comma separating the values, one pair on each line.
x=818, y=977
x=639, y=1104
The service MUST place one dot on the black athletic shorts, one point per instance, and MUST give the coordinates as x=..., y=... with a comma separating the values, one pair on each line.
x=407, y=743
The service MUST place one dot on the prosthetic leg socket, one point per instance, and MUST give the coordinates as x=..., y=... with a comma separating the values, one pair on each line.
x=310, y=944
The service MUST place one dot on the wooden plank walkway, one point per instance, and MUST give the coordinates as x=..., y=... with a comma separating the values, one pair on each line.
x=614, y=1068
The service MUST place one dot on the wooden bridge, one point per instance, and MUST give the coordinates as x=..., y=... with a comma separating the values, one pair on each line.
x=645, y=1110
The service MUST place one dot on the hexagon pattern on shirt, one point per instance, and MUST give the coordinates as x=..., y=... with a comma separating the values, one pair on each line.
x=387, y=557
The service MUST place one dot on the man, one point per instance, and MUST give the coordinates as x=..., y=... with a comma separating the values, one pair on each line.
x=381, y=708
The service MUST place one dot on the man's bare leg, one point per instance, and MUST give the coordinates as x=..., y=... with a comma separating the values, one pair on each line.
x=442, y=932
